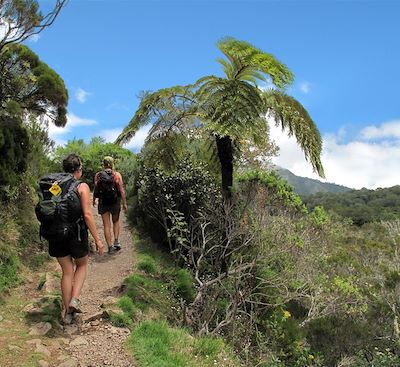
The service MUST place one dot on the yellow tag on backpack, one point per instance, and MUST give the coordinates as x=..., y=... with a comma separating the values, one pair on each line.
x=55, y=189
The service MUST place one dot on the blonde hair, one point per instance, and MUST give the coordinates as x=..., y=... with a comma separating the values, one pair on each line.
x=108, y=161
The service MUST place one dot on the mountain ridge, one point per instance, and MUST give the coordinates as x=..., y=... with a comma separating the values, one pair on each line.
x=305, y=186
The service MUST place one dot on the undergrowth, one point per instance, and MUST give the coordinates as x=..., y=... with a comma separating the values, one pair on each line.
x=151, y=308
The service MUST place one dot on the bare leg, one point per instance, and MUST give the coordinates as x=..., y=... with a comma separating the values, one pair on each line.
x=67, y=267
x=80, y=275
x=116, y=225
x=107, y=227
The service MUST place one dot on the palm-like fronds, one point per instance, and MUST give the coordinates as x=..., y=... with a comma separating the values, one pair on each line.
x=169, y=109
x=248, y=63
x=227, y=106
x=231, y=108
x=293, y=117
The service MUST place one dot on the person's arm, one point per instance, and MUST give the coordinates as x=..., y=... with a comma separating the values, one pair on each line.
x=96, y=179
x=84, y=193
x=121, y=189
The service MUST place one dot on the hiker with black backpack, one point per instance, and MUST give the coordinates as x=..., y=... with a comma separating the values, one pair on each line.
x=109, y=189
x=65, y=215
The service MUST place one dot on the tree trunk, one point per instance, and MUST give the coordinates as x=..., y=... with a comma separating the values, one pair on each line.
x=225, y=155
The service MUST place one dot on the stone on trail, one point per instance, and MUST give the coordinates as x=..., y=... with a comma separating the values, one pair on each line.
x=40, y=328
x=71, y=329
x=14, y=348
x=32, y=310
x=69, y=363
x=42, y=349
x=80, y=340
x=34, y=341
x=43, y=363
x=52, y=284
x=95, y=316
x=109, y=301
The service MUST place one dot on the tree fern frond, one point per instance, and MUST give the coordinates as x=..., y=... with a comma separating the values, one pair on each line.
x=158, y=108
x=293, y=117
x=247, y=59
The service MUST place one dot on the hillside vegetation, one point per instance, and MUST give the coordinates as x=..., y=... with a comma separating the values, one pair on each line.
x=361, y=206
x=233, y=269
x=304, y=186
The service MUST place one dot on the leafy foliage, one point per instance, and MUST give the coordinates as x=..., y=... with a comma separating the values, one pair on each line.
x=231, y=108
x=30, y=83
x=92, y=155
x=171, y=200
x=14, y=150
x=20, y=19
x=361, y=206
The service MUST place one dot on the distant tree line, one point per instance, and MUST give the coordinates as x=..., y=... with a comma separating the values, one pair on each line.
x=361, y=206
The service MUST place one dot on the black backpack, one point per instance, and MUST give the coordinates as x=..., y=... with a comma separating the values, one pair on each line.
x=106, y=188
x=59, y=209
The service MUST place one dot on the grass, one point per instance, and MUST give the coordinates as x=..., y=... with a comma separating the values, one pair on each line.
x=14, y=331
x=147, y=264
x=152, y=302
x=121, y=320
x=155, y=344
x=8, y=272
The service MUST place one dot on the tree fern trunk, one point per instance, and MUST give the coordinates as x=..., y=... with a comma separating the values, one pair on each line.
x=225, y=155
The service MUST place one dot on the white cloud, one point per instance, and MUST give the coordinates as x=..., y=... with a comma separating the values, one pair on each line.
x=135, y=144
x=34, y=38
x=305, y=87
x=81, y=95
x=72, y=122
x=355, y=164
x=390, y=129
x=5, y=28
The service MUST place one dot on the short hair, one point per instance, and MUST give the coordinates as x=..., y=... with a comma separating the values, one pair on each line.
x=108, y=161
x=71, y=163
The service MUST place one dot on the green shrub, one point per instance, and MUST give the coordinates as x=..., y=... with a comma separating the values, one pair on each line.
x=380, y=358
x=155, y=344
x=184, y=285
x=208, y=347
x=120, y=320
x=8, y=271
x=126, y=304
x=147, y=264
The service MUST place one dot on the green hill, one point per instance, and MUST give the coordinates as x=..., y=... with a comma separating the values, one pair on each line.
x=308, y=186
x=362, y=206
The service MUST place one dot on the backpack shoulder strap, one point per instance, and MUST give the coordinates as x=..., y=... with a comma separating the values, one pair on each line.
x=72, y=185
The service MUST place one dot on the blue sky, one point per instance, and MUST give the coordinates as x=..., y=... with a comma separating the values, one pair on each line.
x=345, y=56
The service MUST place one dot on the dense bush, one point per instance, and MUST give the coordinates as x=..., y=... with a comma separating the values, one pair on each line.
x=14, y=151
x=92, y=155
x=285, y=286
x=361, y=206
x=169, y=201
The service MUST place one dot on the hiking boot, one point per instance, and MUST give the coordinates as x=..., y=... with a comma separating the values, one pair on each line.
x=75, y=306
x=112, y=250
x=68, y=318
x=117, y=245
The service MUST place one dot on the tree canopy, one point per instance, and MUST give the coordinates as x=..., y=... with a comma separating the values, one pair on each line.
x=20, y=19
x=231, y=108
x=27, y=81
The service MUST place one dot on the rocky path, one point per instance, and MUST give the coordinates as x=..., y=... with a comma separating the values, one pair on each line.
x=92, y=341
x=99, y=343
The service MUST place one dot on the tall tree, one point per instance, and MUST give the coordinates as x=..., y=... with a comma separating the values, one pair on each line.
x=232, y=108
x=31, y=84
x=20, y=19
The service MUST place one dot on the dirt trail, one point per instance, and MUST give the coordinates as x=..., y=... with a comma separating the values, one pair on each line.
x=101, y=344
x=92, y=341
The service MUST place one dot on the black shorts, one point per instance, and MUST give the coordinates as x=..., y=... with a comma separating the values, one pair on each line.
x=114, y=209
x=73, y=246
